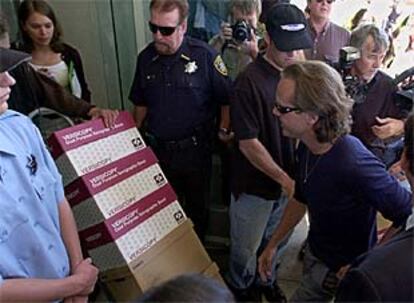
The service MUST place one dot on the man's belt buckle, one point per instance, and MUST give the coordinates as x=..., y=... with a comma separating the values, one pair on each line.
x=182, y=144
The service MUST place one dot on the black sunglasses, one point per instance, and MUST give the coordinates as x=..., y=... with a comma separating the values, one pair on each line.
x=164, y=30
x=286, y=109
x=329, y=1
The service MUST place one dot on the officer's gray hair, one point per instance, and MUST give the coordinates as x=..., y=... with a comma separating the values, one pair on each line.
x=361, y=33
x=247, y=7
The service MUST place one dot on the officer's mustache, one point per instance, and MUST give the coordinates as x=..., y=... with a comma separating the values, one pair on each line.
x=161, y=43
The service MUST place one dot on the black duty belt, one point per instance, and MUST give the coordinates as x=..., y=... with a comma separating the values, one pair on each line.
x=179, y=144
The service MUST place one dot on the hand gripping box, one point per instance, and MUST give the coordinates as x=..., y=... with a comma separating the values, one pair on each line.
x=107, y=191
x=122, y=238
x=85, y=147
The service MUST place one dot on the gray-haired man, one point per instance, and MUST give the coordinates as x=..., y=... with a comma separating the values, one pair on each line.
x=376, y=116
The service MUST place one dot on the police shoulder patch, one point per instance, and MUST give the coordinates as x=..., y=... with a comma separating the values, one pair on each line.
x=220, y=66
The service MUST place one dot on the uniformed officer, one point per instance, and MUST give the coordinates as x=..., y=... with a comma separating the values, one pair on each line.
x=180, y=84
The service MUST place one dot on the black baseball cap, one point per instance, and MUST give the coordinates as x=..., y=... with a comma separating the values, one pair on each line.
x=288, y=28
x=9, y=59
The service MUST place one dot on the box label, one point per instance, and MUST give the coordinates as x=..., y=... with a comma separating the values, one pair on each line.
x=128, y=219
x=78, y=135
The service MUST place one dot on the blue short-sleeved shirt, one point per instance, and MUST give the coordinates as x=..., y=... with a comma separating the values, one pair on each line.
x=30, y=192
x=181, y=92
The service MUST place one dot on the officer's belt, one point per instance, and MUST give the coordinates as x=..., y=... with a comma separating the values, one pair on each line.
x=200, y=136
x=182, y=144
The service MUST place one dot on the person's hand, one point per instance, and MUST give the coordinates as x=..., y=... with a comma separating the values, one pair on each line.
x=388, y=127
x=250, y=47
x=109, y=116
x=226, y=33
x=265, y=262
x=87, y=275
x=396, y=171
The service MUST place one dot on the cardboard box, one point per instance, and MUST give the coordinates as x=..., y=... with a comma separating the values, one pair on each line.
x=122, y=238
x=180, y=252
x=214, y=272
x=123, y=287
x=107, y=191
x=86, y=147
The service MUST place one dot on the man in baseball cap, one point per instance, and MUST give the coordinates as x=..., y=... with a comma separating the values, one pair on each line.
x=9, y=59
x=263, y=160
x=287, y=27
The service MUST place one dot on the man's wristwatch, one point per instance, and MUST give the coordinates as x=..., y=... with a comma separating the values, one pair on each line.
x=224, y=131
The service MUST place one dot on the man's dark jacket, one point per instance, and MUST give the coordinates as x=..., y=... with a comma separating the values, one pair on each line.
x=385, y=274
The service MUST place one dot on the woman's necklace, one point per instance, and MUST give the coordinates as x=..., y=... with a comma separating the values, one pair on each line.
x=309, y=170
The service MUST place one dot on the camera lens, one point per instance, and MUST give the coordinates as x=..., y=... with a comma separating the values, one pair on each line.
x=241, y=31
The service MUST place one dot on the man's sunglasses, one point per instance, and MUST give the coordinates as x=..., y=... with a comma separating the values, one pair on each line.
x=286, y=109
x=329, y=1
x=164, y=30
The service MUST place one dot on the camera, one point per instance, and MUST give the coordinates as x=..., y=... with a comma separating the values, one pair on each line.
x=347, y=56
x=242, y=31
x=354, y=87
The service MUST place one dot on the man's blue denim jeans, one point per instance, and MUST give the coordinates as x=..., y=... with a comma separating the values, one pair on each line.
x=318, y=282
x=252, y=223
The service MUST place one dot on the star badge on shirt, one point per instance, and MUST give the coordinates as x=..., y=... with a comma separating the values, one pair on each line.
x=191, y=67
x=32, y=164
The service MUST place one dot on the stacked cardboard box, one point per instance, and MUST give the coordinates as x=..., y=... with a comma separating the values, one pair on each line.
x=127, y=214
x=179, y=252
x=86, y=147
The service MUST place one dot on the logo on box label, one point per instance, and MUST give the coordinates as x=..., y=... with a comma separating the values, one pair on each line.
x=179, y=216
x=159, y=179
x=137, y=142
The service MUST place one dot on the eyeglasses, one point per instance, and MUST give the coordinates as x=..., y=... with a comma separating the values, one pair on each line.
x=286, y=109
x=164, y=30
x=328, y=1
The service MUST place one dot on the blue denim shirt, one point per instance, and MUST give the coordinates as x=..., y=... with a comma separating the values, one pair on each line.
x=30, y=192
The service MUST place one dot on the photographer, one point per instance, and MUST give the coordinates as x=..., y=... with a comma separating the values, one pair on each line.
x=237, y=40
x=377, y=120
